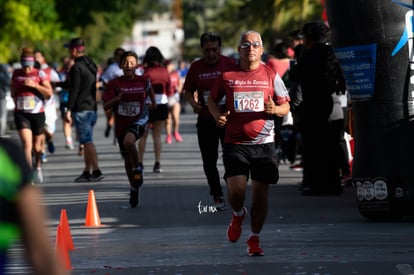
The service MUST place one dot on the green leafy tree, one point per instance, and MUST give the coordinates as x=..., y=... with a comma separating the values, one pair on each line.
x=105, y=23
x=26, y=23
x=48, y=24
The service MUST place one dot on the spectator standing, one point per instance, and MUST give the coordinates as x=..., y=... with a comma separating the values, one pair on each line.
x=126, y=96
x=183, y=70
x=296, y=109
x=63, y=88
x=82, y=106
x=295, y=39
x=254, y=95
x=318, y=81
x=198, y=82
x=172, y=125
x=22, y=214
x=337, y=132
x=279, y=59
x=50, y=105
x=155, y=70
x=30, y=87
x=111, y=72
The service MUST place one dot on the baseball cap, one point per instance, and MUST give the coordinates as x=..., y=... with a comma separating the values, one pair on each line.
x=77, y=43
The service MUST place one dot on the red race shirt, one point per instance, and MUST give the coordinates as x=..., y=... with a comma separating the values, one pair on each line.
x=175, y=81
x=246, y=93
x=201, y=77
x=160, y=81
x=28, y=99
x=131, y=108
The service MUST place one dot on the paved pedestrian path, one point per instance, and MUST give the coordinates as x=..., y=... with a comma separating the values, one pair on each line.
x=176, y=231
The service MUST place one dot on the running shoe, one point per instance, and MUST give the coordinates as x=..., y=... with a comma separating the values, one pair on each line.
x=138, y=176
x=235, y=228
x=84, y=177
x=157, y=167
x=50, y=146
x=69, y=146
x=178, y=137
x=219, y=203
x=96, y=176
x=297, y=167
x=253, y=247
x=134, y=197
x=38, y=176
x=168, y=139
x=43, y=158
x=107, y=130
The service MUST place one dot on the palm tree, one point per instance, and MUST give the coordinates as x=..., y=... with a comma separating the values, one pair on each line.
x=272, y=18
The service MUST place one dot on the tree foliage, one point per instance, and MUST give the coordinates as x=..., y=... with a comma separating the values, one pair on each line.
x=105, y=23
x=272, y=18
x=26, y=23
x=48, y=24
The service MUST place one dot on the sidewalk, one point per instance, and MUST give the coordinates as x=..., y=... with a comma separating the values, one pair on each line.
x=168, y=234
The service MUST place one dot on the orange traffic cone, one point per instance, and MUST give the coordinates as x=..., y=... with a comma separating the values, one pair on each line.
x=64, y=223
x=92, y=215
x=62, y=251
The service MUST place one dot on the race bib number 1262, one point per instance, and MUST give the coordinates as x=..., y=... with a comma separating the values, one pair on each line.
x=249, y=101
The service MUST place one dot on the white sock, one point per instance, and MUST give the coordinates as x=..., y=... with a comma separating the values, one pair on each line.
x=239, y=213
x=253, y=235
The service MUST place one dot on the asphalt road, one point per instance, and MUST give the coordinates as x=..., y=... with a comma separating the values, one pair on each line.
x=168, y=234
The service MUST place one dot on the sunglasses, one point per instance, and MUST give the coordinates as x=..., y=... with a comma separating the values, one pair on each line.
x=247, y=44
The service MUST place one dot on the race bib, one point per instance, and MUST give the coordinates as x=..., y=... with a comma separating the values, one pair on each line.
x=249, y=101
x=26, y=103
x=129, y=108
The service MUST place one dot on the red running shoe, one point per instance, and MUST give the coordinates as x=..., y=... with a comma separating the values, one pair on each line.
x=253, y=248
x=168, y=139
x=178, y=137
x=234, y=229
x=297, y=167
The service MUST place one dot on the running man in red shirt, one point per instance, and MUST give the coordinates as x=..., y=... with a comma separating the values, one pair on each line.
x=126, y=96
x=254, y=95
x=197, y=85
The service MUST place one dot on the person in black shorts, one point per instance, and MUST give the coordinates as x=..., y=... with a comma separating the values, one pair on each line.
x=254, y=94
x=155, y=70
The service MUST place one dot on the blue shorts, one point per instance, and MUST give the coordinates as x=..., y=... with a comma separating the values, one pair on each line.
x=258, y=160
x=84, y=122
